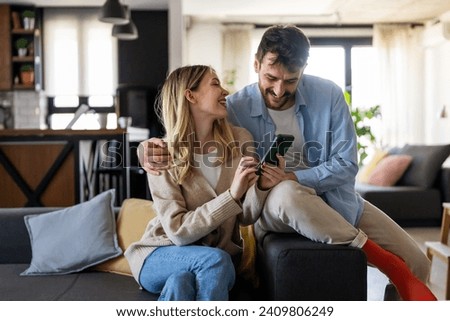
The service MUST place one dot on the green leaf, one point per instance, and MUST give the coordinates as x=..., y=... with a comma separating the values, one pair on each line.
x=360, y=117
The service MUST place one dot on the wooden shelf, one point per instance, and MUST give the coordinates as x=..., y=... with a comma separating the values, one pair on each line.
x=23, y=87
x=23, y=59
x=22, y=31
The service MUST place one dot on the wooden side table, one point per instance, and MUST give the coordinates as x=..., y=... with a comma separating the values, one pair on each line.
x=442, y=249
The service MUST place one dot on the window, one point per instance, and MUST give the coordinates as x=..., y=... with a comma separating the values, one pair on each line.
x=350, y=63
x=365, y=76
x=327, y=62
x=80, y=66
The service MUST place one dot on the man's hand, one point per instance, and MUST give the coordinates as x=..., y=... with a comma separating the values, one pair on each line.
x=272, y=175
x=153, y=156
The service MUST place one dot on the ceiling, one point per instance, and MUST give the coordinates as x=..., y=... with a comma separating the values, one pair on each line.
x=285, y=11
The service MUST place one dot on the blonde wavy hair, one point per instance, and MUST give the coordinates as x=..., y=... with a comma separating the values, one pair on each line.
x=174, y=111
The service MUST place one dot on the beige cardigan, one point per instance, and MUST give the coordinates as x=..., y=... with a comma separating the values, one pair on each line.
x=194, y=212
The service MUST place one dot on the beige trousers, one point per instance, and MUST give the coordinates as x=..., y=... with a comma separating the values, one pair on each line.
x=291, y=207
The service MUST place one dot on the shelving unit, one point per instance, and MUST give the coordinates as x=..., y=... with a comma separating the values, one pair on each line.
x=14, y=29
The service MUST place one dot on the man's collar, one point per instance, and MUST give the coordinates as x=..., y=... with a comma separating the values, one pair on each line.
x=299, y=98
x=258, y=105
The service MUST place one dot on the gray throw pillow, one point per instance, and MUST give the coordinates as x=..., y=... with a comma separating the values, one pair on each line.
x=73, y=239
x=425, y=166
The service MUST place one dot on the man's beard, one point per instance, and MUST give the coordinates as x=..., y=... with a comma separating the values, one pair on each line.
x=279, y=102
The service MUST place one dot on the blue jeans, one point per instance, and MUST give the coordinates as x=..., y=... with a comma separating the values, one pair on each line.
x=188, y=273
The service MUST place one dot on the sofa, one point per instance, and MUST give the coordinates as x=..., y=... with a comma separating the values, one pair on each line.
x=409, y=183
x=34, y=241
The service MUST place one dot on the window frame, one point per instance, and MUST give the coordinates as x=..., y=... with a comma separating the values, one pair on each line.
x=347, y=43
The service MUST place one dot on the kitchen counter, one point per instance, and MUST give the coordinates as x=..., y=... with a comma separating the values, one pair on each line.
x=58, y=167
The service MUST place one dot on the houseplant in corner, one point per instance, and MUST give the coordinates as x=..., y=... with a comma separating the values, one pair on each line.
x=27, y=74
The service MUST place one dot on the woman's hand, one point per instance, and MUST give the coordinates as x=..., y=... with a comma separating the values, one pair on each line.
x=272, y=175
x=244, y=177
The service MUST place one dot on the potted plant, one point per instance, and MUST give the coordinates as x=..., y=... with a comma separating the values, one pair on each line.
x=21, y=45
x=28, y=19
x=27, y=74
x=361, y=118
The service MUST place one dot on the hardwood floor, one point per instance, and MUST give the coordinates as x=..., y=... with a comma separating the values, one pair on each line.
x=376, y=281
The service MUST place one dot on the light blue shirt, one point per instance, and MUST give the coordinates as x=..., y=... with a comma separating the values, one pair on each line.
x=330, y=148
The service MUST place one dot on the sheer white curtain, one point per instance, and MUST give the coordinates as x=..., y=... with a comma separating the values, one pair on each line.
x=237, y=55
x=401, y=58
x=80, y=53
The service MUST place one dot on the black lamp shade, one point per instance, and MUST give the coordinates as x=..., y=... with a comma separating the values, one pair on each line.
x=113, y=12
x=125, y=32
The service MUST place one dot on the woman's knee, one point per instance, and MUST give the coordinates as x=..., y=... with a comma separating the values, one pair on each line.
x=218, y=257
x=216, y=276
x=220, y=262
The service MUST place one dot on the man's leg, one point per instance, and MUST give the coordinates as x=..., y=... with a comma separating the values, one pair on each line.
x=381, y=229
x=291, y=207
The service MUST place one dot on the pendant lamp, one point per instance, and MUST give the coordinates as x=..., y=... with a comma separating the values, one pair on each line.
x=127, y=31
x=113, y=12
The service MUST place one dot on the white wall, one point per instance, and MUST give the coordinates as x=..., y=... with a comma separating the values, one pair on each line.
x=437, y=84
x=204, y=45
x=210, y=43
x=177, y=34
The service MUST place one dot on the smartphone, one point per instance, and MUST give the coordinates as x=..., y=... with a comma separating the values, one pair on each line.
x=280, y=145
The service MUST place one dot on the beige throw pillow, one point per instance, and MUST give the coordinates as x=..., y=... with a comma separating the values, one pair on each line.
x=366, y=170
x=133, y=218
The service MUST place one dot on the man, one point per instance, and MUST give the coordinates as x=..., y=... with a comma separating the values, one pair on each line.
x=316, y=196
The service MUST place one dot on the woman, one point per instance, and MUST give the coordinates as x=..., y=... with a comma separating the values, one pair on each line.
x=189, y=251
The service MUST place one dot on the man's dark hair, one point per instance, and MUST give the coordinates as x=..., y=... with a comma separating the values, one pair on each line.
x=289, y=43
